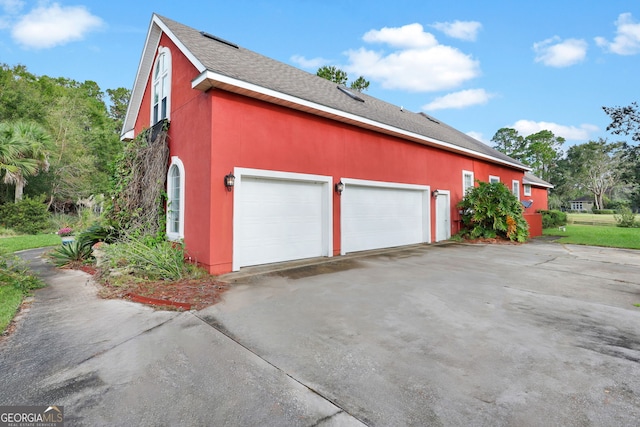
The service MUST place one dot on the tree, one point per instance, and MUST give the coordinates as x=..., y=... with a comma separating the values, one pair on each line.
x=541, y=151
x=119, y=102
x=23, y=152
x=336, y=75
x=624, y=120
x=594, y=167
x=509, y=141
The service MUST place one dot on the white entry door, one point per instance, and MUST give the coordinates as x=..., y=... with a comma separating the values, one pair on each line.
x=443, y=216
x=381, y=215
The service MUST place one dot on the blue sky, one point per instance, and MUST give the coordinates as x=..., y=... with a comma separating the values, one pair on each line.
x=477, y=66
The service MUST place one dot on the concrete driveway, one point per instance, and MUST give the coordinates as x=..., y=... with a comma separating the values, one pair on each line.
x=525, y=335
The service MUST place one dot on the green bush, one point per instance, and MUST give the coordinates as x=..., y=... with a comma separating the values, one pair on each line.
x=553, y=218
x=491, y=210
x=603, y=211
x=28, y=216
x=626, y=218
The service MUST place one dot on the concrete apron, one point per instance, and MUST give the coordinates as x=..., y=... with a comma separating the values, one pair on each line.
x=116, y=362
x=537, y=334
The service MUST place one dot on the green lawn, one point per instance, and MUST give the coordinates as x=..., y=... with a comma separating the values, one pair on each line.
x=598, y=235
x=10, y=295
x=10, y=299
x=20, y=243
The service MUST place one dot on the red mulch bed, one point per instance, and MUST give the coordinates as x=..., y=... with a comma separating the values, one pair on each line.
x=187, y=294
x=194, y=294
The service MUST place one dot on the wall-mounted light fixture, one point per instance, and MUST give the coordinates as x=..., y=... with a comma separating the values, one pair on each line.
x=229, y=181
x=435, y=194
x=339, y=188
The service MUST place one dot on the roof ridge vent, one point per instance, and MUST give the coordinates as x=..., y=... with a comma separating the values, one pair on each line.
x=349, y=93
x=218, y=39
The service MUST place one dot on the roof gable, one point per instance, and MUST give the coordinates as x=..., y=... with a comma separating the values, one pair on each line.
x=229, y=67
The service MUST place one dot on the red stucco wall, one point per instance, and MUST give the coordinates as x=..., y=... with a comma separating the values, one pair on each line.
x=212, y=132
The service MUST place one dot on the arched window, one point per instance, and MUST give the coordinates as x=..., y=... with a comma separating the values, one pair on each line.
x=161, y=86
x=175, y=200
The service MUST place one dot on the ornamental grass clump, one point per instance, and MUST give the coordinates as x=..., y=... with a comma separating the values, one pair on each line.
x=149, y=259
x=490, y=211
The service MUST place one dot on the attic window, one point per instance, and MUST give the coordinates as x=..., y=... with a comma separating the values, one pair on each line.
x=218, y=39
x=429, y=118
x=349, y=93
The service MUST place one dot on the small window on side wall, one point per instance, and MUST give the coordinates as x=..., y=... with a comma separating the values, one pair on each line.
x=467, y=181
x=526, y=189
x=161, y=86
x=515, y=188
x=493, y=179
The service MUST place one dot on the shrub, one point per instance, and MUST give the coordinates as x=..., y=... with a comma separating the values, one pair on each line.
x=15, y=272
x=491, y=210
x=626, y=218
x=603, y=211
x=553, y=218
x=28, y=216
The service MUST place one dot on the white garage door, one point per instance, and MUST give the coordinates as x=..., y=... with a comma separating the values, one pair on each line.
x=279, y=219
x=382, y=215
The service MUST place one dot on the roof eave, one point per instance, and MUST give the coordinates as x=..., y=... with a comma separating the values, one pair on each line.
x=212, y=80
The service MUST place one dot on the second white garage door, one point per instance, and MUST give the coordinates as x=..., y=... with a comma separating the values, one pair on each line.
x=280, y=216
x=380, y=215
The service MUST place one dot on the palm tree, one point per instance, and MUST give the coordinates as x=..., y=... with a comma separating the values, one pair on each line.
x=23, y=153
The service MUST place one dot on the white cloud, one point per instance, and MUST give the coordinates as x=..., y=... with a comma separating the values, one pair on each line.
x=556, y=53
x=463, y=30
x=407, y=36
x=461, y=99
x=51, y=25
x=571, y=133
x=627, y=40
x=12, y=6
x=418, y=64
x=313, y=63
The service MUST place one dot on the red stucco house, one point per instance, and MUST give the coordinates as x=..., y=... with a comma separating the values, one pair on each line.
x=319, y=170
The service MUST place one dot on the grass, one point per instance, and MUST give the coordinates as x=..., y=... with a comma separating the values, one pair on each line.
x=598, y=235
x=20, y=243
x=15, y=281
x=10, y=299
x=593, y=219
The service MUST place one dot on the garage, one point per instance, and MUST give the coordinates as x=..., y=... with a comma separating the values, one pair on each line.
x=378, y=215
x=280, y=216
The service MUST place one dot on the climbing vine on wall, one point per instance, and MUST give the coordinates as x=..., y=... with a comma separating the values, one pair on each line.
x=139, y=181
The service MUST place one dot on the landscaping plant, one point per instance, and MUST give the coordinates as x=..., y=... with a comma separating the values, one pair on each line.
x=490, y=210
x=553, y=218
x=77, y=251
x=152, y=259
x=626, y=218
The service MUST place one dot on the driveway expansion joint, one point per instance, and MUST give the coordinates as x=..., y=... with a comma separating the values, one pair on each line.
x=218, y=326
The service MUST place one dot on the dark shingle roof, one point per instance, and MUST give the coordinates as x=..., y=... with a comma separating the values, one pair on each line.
x=248, y=66
x=531, y=179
